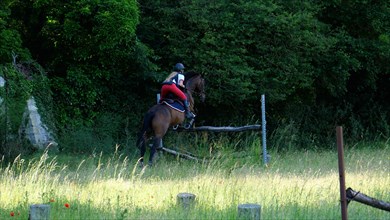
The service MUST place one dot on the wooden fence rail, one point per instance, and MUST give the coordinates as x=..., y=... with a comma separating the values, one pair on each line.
x=362, y=198
x=222, y=129
x=187, y=156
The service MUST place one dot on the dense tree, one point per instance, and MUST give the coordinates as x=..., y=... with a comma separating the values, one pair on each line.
x=89, y=48
x=245, y=47
x=367, y=25
x=284, y=49
x=14, y=89
x=10, y=40
x=320, y=63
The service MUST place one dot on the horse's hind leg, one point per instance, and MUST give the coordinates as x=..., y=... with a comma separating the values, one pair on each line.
x=153, y=150
x=160, y=126
x=159, y=134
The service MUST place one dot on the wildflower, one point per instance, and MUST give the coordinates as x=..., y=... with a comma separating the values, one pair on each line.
x=67, y=205
x=12, y=214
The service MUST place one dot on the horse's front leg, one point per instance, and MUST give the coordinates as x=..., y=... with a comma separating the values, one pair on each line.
x=156, y=145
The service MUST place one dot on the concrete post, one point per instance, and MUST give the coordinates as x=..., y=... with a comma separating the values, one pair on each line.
x=185, y=200
x=39, y=212
x=249, y=211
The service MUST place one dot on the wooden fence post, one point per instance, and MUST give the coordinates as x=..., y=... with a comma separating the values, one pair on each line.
x=249, y=211
x=343, y=194
x=39, y=212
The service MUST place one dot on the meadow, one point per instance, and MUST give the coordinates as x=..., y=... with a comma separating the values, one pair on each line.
x=297, y=184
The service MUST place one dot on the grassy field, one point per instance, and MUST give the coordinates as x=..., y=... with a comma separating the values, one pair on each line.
x=296, y=185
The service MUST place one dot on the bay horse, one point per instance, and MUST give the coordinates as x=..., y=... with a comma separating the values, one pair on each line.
x=160, y=117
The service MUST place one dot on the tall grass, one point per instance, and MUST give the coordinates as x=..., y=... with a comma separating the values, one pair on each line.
x=296, y=184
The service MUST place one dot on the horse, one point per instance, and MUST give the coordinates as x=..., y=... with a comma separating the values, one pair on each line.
x=160, y=117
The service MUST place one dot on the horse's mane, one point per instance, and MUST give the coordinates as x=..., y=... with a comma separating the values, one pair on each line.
x=191, y=74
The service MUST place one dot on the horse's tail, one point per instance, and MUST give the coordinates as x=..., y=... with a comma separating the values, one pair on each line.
x=145, y=127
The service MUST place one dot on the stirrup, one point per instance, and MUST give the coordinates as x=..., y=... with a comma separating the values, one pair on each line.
x=175, y=127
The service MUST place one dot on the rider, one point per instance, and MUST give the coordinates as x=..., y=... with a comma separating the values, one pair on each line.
x=172, y=84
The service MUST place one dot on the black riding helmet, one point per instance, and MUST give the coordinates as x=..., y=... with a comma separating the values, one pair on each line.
x=178, y=67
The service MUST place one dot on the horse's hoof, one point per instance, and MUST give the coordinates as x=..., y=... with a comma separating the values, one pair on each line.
x=150, y=163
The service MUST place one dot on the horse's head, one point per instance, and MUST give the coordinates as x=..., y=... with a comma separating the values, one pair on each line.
x=195, y=84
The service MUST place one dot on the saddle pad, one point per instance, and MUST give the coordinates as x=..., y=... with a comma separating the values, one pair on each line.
x=175, y=105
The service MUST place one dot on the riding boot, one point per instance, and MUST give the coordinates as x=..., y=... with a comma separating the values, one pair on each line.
x=188, y=113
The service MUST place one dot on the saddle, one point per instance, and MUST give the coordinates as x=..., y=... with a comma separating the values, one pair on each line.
x=173, y=103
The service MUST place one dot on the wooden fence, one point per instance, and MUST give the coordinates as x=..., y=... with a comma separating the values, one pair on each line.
x=348, y=195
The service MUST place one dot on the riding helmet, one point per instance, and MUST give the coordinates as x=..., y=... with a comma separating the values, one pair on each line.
x=178, y=67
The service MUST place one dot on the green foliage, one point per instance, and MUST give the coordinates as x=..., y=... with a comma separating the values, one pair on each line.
x=89, y=48
x=11, y=42
x=366, y=25
x=13, y=95
x=319, y=64
x=99, y=39
x=42, y=94
x=23, y=80
x=248, y=49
